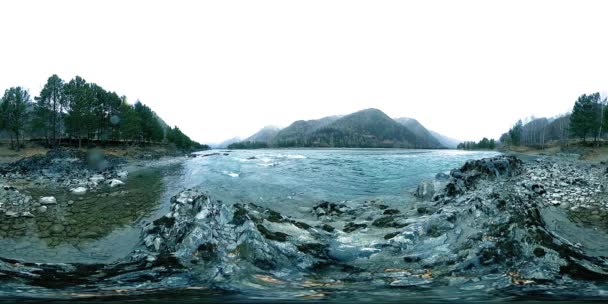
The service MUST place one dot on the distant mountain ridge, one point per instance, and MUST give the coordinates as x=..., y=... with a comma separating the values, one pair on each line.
x=447, y=142
x=266, y=134
x=370, y=128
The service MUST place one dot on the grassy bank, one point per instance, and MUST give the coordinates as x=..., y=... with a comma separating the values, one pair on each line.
x=129, y=151
x=588, y=151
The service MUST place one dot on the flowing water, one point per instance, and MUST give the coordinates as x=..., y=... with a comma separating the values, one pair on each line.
x=301, y=178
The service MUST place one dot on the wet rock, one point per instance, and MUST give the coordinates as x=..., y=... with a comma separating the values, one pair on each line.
x=56, y=228
x=389, y=221
x=350, y=227
x=48, y=200
x=11, y=214
x=78, y=190
x=391, y=212
x=411, y=281
x=115, y=183
x=97, y=178
x=42, y=209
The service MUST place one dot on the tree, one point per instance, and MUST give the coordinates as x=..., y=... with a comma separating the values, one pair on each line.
x=586, y=117
x=80, y=118
x=515, y=133
x=50, y=106
x=151, y=128
x=128, y=122
x=14, y=107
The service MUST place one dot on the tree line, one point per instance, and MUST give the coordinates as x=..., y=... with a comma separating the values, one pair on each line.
x=484, y=144
x=588, y=120
x=79, y=110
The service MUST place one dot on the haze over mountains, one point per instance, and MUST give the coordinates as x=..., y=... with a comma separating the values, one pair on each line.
x=370, y=128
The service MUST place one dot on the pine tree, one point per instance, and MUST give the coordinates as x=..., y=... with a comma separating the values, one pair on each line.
x=14, y=108
x=49, y=107
x=586, y=118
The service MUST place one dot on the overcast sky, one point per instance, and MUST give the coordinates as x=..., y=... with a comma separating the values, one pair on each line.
x=221, y=69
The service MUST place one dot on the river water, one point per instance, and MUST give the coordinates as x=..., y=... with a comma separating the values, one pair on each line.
x=301, y=178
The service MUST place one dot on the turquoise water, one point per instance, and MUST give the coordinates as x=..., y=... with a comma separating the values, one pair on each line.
x=304, y=177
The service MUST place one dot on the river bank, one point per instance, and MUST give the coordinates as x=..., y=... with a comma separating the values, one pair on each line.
x=495, y=228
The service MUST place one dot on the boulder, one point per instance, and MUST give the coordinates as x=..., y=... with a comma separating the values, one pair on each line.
x=78, y=190
x=11, y=214
x=115, y=183
x=97, y=178
x=47, y=200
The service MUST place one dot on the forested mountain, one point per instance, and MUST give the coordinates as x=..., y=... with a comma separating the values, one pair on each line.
x=369, y=128
x=266, y=135
x=300, y=130
x=422, y=132
x=445, y=141
x=538, y=131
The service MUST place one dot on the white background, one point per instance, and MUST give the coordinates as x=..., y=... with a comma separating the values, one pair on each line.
x=219, y=69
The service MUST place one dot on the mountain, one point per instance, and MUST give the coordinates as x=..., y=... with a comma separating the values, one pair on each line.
x=447, y=142
x=226, y=143
x=420, y=130
x=266, y=134
x=369, y=128
x=417, y=128
x=299, y=130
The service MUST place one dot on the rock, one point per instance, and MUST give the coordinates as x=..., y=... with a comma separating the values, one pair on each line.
x=350, y=227
x=115, y=183
x=425, y=190
x=442, y=176
x=11, y=214
x=48, y=200
x=42, y=209
x=27, y=214
x=57, y=228
x=410, y=282
x=97, y=178
x=78, y=190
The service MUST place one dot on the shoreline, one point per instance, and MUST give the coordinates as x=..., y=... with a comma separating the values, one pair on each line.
x=494, y=225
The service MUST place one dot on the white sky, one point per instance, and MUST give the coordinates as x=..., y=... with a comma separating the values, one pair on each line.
x=220, y=69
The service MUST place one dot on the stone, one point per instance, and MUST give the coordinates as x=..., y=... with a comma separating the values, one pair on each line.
x=97, y=178
x=27, y=214
x=57, y=228
x=115, y=183
x=48, y=200
x=11, y=214
x=42, y=209
x=79, y=190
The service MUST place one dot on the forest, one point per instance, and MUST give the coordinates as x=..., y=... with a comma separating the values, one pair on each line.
x=587, y=121
x=76, y=111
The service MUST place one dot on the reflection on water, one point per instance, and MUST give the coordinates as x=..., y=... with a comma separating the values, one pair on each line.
x=95, y=227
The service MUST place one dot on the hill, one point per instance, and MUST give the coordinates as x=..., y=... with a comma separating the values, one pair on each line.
x=445, y=141
x=370, y=128
x=266, y=134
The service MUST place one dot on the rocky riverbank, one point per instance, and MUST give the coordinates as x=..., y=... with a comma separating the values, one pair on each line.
x=494, y=226
x=72, y=171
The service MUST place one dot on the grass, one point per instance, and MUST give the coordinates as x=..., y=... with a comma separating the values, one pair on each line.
x=8, y=155
x=588, y=150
